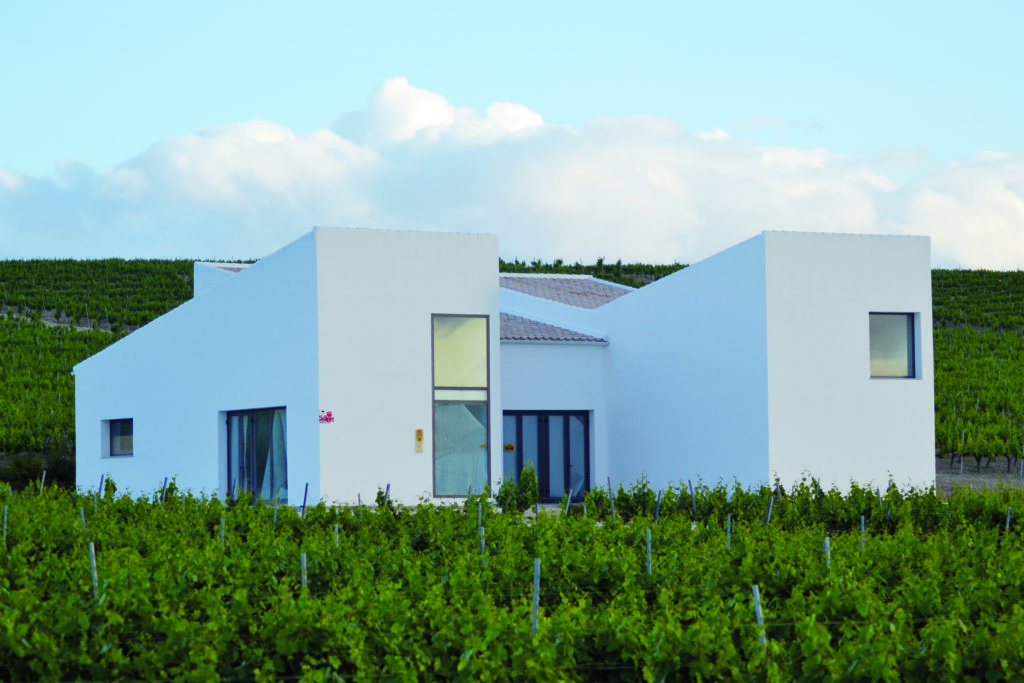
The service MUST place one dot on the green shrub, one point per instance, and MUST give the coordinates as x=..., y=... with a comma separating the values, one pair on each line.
x=519, y=495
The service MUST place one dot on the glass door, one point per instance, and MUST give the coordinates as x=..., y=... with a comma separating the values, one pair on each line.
x=257, y=453
x=556, y=443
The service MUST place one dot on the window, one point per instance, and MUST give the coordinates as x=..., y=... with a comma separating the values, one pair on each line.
x=892, y=344
x=257, y=453
x=461, y=404
x=121, y=441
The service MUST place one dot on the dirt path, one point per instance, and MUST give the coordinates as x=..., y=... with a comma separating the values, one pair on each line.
x=991, y=475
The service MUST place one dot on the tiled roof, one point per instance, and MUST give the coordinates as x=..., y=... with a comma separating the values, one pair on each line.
x=581, y=291
x=230, y=267
x=518, y=328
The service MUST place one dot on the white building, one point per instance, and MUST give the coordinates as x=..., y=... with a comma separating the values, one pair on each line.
x=789, y=354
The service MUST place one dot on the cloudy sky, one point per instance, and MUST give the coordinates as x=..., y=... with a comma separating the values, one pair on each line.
x=649, y=131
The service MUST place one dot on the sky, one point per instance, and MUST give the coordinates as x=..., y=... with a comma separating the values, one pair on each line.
x=652, y=131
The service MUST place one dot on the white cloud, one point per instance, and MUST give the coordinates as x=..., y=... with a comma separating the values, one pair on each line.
x=10, y=180
x=715, y=134
x=636, y=188
x=973, y=210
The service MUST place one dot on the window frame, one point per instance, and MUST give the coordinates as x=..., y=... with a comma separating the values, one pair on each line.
x=434, y=401
x=912, y=343
x=110, y=426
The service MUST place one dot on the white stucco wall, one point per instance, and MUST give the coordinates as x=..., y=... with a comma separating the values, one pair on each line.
x=687, y=384
x=249, y=342
x=378, y=290
x=828, y=417
x=560, y=376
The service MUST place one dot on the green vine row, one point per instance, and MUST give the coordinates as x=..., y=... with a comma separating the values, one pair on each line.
x=191, y=588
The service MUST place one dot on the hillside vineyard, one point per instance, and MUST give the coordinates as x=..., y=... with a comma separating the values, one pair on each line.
x=54, y=314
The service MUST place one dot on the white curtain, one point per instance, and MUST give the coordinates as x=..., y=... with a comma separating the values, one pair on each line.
x=274, y=482
x=460, y=448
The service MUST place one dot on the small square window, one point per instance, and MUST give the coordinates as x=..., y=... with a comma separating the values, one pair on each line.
x=892, y=345
x=121, y=437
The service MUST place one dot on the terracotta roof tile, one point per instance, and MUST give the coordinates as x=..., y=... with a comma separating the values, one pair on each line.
x=581, y=291
x=518, y=328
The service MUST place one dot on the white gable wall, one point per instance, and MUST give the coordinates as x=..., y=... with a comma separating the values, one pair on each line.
x=552, y=312
x=828, y=417
x=249, y=342
x=378, y=290
x=687, y=383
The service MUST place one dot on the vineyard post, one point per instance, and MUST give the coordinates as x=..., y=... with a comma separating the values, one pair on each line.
x=611, y=497
x=568, y=499
x=768, y=517
x=828, y=555
x=1007, y=518
x=728, y=532
x=536, y=593
x=479, y=512
x=760, y=617
x=304, y=494
x=221, y=533
x=100, y=489
x=359, y=500
x=657, y=507
x=42, y=482
x=693, y=498
x=303, y=561
x=95, y=503
x=335, y=534
x=483, y=549
x=163, y=491
x=862, y=533
x=648, y=551
x=95, y=579
x=387, y=492
x=274, y=526
x=81, y=511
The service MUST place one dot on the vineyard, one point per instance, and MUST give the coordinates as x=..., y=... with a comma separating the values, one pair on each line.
x=979, y=364
x=978, y=341
x=118, y=293
x=872, y=586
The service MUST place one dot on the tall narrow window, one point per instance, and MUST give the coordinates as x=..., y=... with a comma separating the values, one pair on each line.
x=892, y=344
x=257, y=453
x=461, y=404
x=121, y=437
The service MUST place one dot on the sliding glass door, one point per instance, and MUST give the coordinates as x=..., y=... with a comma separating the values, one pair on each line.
x=257, y=453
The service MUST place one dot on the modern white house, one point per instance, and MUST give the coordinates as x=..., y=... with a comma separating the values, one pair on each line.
x=353, y=359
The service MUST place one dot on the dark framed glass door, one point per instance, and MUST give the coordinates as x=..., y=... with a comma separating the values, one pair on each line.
x=556, y=443
x=257, y=453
